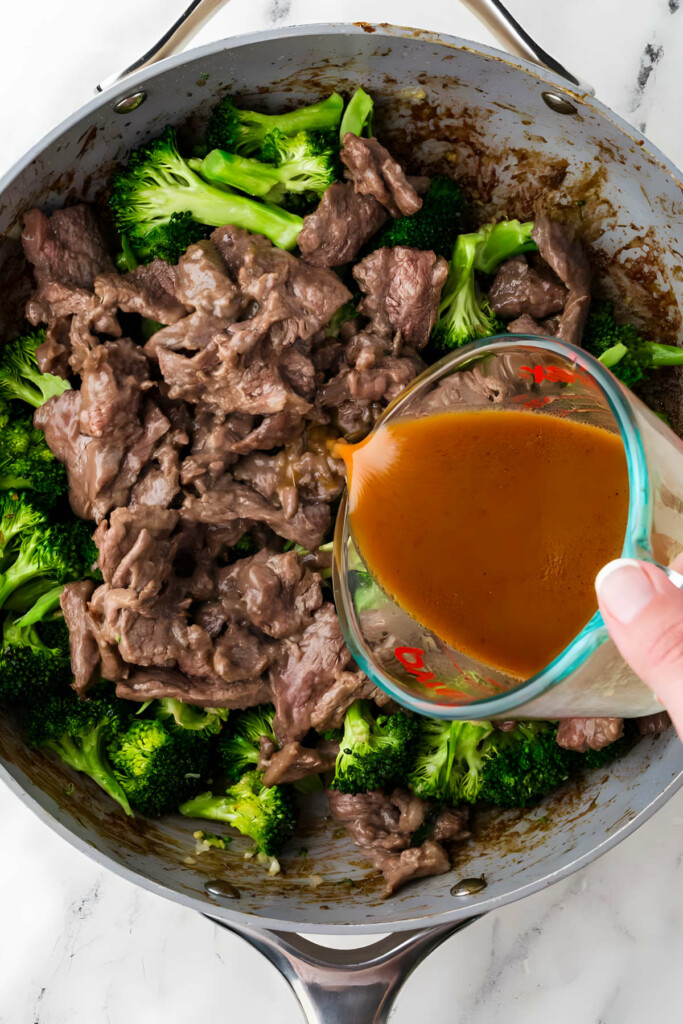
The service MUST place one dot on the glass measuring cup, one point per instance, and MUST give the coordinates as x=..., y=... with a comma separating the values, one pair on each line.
x=588, y=678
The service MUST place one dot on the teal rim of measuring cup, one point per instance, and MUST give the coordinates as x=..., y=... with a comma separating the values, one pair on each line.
x=636, y=541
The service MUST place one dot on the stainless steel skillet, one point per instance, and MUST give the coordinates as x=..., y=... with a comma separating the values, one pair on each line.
x=521, y=137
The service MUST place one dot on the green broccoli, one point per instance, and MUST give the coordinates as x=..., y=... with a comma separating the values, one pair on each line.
x=56, y=553
x=299, y=164
x=26, y=462
x=463, y=314
x=126, y=260
x=78, y=732
x=33, y=662
x=357, y=117
x=522, y=766
x=621, y=348
x=157, y=198
x=435, y=226
x=239, y=748
x=268, y=815
x=154, y=766
x=20, y=377
x=243, y=131
x=446, y=762
x=181, y=718
x=374, y=751
x=367, y=595
x=18, y=516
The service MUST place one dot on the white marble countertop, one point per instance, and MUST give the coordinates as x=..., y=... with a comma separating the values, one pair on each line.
x=78, y=944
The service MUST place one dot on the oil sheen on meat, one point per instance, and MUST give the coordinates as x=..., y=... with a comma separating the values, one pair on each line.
x=489, y=527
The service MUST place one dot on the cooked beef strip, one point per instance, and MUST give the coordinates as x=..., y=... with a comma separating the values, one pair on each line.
x=294, y=762
x=402, y=288
x=451, y=825
x=584, y=734
x=230, y=500
x=340, y=226
x=295, y=299
x=653, y=725
x=205, y=284
x=374, y=172
x=383, y=826
x=152, y=683
x=303, y=470
x=53, y=355
x=106, y=432
x=565, y=255
x=137, y=550
x=151, y=291
x=365, y=383
x=66, y=247
x=315, y=681
x=270, y=591
x=191, y=334
x=85, y=655
x=517, y=289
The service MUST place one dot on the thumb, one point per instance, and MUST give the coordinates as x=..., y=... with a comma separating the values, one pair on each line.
x=643, y=612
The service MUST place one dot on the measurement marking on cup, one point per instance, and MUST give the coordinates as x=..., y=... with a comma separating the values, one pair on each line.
x=553, y=374
x=412, y=659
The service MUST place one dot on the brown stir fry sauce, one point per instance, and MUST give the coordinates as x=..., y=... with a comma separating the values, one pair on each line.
x=489, y=527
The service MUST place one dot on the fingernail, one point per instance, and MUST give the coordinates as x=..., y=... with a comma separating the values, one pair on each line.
x=624, y=589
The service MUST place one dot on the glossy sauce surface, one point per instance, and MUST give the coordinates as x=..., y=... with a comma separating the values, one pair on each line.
x=489, y=527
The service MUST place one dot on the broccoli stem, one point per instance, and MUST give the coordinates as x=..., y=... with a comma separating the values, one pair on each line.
x=45, y=604
x=21, y=571
x=126, y=260
x=87, y=756
x=499, y=242
x=248, y=175
x=612, y=356
x=663, y=355
x=321, y=116
x=357, y=117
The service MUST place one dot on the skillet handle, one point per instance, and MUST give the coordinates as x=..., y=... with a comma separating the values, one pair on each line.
x=491, y=13
x=338, y=986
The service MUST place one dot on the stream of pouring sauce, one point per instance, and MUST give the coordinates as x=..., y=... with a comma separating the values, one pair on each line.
x=489, y=527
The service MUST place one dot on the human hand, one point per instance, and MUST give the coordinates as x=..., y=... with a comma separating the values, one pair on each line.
x=643, y=612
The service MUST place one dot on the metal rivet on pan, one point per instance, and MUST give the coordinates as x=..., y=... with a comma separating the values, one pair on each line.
x=222, y=890
x=558, y=103
x=128, y=103
x=468, y=886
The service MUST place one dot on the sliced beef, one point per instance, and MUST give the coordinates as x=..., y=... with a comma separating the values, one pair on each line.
x=653, y=725
x=294, y=762
x=584, y=734
x=374, y=172
x=294, y=298
x=565, y=255
x=315, y=681
x=105, y=433
x=402, y=288
x=520, y=289
x=137, y=550
x=230, y=500
x=205, y=284
x=272, y=592
x=85, y=656
x=66, y=247
x=153, y=683
x=53, y=355
x=383, y=826
x=192, y=334
x=367, y=380
x=451, y=825
x=150, y=290
x=302, y=471
x=340, y=226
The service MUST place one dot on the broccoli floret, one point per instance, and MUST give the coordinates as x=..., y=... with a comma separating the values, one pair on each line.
x=26, y=462
x=464, y=314
x=238, y=750
x=78, y=732
x=181, y=718
x=268, y=815
x=20, y=377
x=357, y=117
x=299, y=164
x=374, y=752
x=126, y=260
x=18, y=516
x=435, y=226
x=621, y=348
x=367, y=595
x=157, y=198
x=57, y=553
x=446, y=761
x=154, y=766
x=31, y=668
x=522, y=766
x=243, y=131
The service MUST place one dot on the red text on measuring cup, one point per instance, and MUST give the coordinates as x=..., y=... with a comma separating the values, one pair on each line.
x=554, y=374
x=412, y=659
